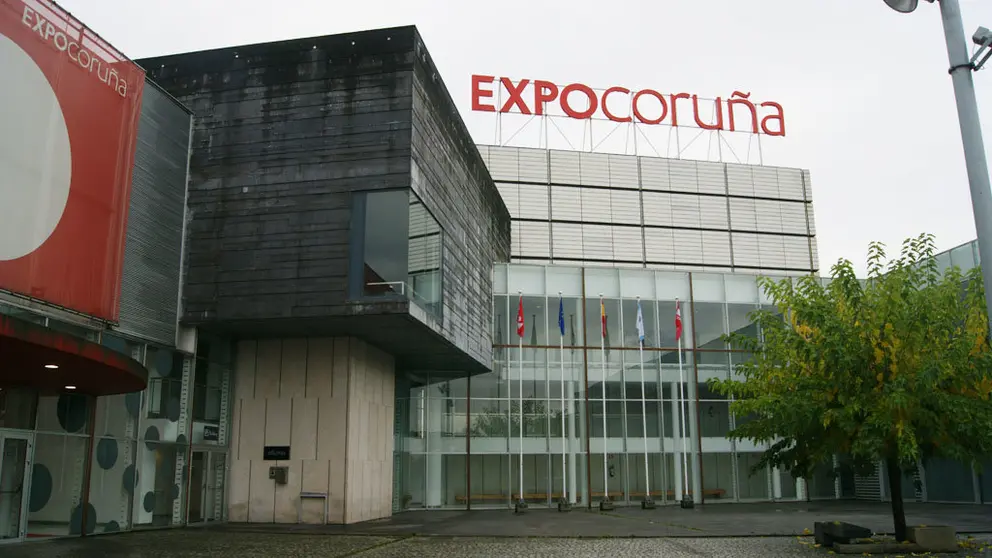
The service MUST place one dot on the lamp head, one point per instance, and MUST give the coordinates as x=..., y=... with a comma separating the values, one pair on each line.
x=903, y=6
x=982, y=37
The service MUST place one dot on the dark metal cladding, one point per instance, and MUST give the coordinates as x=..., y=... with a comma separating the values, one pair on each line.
x=284, y=133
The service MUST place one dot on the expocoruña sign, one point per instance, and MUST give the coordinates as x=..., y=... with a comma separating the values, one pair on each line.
x=69, y=108
x=620, y=104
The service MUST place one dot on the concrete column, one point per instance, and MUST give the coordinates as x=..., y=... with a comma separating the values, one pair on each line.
x=776, y=484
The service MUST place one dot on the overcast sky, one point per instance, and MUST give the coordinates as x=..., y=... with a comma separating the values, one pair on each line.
x=869, y=104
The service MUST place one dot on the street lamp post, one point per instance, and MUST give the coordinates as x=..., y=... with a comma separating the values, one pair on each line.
x=962, y=65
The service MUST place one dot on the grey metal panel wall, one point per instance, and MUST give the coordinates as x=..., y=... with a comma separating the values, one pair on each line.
x=284, y=133
x=452, y=179
x=154, y=240
x=607, y=209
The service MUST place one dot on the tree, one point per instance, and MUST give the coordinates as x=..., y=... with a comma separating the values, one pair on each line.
x=894, y=369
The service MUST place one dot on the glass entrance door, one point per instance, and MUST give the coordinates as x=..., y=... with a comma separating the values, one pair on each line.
x=206, y=486
x=15, y=467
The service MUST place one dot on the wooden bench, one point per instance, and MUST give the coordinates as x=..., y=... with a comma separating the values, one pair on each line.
x=615, y=495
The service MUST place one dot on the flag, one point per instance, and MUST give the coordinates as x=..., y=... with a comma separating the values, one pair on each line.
x=640, y=323
x=561, y=317
x=678, y=321
x=602, y=315
x=520, y=318
x=571, y=327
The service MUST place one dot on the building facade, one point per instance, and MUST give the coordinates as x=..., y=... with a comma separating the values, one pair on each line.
x=103, y=397
x=598, y=209
x=462, y=446
x=343, y=228
x=307, y=309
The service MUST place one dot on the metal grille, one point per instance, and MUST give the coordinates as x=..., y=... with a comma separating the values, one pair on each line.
x=869, y=487
x=156, y=214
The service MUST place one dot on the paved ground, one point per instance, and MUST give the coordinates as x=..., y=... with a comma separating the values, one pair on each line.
x=714, y=520
x=210, y=543
x=713, y=530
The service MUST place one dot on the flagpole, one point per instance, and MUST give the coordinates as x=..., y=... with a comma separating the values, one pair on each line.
x=604, y=503
x=647, y=503
x=682, y=417
x=563, y=501
x=521, y=503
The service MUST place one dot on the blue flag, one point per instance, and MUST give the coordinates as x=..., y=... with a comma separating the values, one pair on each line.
x=561, y=317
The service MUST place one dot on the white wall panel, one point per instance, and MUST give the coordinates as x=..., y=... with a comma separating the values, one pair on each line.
x=768, y=215
x=793, y=217
x=533, y=165
x=594, y=169
x=535, y=239
x=807, y=184
x=566, y=240
x=688, y=246
x=711, y=177
x=503, y=164
x=628, y=244
x=597, y=242
x=683, y=175
x=596, y=205
x=746, y=249
x=713, y=212
x=658, y=208
x=533, y=201
x=566, y=203
x=716, y=247
x=790, y=184
x=771, y=250
x=659, y=245
x=810, y=219
x=797, y=252
x=765, y=182
x=739, y=180
x=565, y=167
x=625, y=207
x=743, y=215
x=654, y=174
x=623, y=171
x=685, y=210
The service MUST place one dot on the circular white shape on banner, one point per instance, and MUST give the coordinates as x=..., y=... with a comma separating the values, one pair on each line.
x=35, y=156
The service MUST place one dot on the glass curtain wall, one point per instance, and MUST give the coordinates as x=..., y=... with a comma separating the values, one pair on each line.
x=114, y=463
x=580, y=404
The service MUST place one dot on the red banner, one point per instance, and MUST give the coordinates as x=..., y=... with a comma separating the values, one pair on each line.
x=69, y=110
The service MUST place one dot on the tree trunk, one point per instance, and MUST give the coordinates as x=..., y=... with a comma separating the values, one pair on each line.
x=895, y=495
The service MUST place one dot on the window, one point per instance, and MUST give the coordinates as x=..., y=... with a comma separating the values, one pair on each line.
x=400, y=246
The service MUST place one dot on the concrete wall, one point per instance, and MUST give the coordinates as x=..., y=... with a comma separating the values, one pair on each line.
x=451, y=178
x=283, y=133
x=331, y=401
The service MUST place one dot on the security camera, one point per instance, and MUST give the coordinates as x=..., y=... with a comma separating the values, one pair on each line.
x=982, y=37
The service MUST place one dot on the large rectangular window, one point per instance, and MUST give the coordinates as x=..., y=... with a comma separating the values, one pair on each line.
x=400, y=248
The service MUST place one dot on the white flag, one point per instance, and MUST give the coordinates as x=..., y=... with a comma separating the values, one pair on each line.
x=640, y=323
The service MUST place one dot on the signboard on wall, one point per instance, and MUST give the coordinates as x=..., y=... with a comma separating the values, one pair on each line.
x=69, y=110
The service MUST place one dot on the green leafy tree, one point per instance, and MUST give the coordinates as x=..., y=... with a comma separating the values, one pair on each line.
x=893, y=369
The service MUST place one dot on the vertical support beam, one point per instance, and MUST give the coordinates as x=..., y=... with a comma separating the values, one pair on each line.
x=585, y=371
x=182, y=456
x=87, y=465
x=696, y=463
